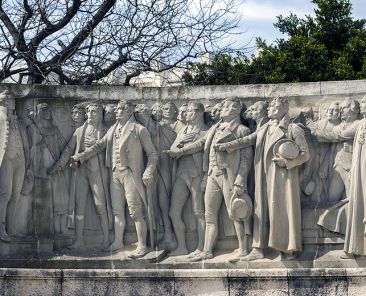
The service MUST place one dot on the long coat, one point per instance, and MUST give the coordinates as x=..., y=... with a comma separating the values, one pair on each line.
x=355, y=240
x=134, y=142
x=277, y=208
x=74, y=146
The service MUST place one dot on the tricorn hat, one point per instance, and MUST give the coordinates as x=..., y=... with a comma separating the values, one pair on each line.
x=286, y=148
x=241, y=206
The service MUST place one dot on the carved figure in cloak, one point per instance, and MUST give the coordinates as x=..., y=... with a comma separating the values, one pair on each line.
x=77, y=116
x=91, y=176
x=162, y=136
x=280, y=149
x=51, y=195
x=226, y=177
x=109, y=115
x=355, y=238
x=125, y=145
x=181, y=119
x=15, y=175
x=335, y=217
x=188, y=181
x=326, y=150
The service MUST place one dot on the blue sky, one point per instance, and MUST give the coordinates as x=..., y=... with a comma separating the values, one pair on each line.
x=258, y=16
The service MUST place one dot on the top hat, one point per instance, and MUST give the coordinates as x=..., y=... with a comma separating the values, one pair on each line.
x=241, y=206
x=286, y=148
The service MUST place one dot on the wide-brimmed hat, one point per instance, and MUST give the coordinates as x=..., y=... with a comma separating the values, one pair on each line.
x=286, y=148
x=241, y=206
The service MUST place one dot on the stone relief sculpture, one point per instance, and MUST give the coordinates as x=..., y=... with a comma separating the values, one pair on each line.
x=91, y=176
x=15, y=175
x=334, y=218
x=125, y=143
x=280, y=149
x=52, y=195
x=355, y=242
x=188, y=180
x=226, y=177
x=190, y=189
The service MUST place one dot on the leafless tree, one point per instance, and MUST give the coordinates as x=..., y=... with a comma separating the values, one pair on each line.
x=84, y=41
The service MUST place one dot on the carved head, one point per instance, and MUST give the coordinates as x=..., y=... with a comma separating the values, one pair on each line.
x=7, y=100
x=44, y=111
x=248, y=113
x=94, y=113
x=363, y=106
x=124, y=110
x=307, y=112
x=182, y=113
x=157, y=111
x=259, y=110
x=109, y=113
x=333, y=112
x=170, y=111
x=78, y=113
x=230, y=109
x=195, y=110
x=142, y=111
x=350, y=109
x=215, y=112
x=278, y=108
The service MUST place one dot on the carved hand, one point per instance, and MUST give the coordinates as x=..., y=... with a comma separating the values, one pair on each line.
x=280, y=162
x=173, y=153
x=148, y=179
x=221, y=147
x=53, y=169
x=238, y=190
x=187, y=138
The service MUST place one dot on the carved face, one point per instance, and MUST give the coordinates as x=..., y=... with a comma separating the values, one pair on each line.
x=156, y=111
x=229, y=110
x=249, y=112
x=276, y=110
x=257, y=112
x=168, y=111
x=363, y=106
x=123, y=111
x=333, y=112
x=77, y=115
x=182, y=113
x=192, y=113
x=345, y=110
x=45, y=113
x=93, y=114
x=215, y=112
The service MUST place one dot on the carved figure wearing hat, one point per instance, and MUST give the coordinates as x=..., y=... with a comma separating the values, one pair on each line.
x=280, y=148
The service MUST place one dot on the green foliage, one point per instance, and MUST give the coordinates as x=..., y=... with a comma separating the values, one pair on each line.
x=329, y=46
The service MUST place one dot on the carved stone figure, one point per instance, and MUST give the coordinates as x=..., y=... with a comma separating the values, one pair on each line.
x=169, y=116
x=355, y=238
x=14, y=161
x=280, y=149
x=259, y=113
x=335, y=218
x=92, y=175
x=77, y=116
x=162, y=136
x=215, y=113
x=188, y=180
x=109, y=115
x=125, y=145
x=51, y=195
x=226, y=176
x=157, y=111
x=181, y=119
x=326, y=150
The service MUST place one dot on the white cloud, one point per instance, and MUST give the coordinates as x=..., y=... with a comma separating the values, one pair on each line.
x=253, y=10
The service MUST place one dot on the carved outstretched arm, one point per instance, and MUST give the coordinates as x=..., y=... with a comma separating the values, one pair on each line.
x=67, y=153
x=240, y=143
x=246, y=155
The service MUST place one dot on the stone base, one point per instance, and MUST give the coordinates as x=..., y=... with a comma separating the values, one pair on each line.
x=183, y=282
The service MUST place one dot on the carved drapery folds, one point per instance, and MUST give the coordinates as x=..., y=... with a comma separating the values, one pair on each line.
x=192, y=182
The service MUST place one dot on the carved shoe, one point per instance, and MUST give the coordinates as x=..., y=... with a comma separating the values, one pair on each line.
x=5, y=237
x=139, y=253
x=202, y=256
x=194, y=254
